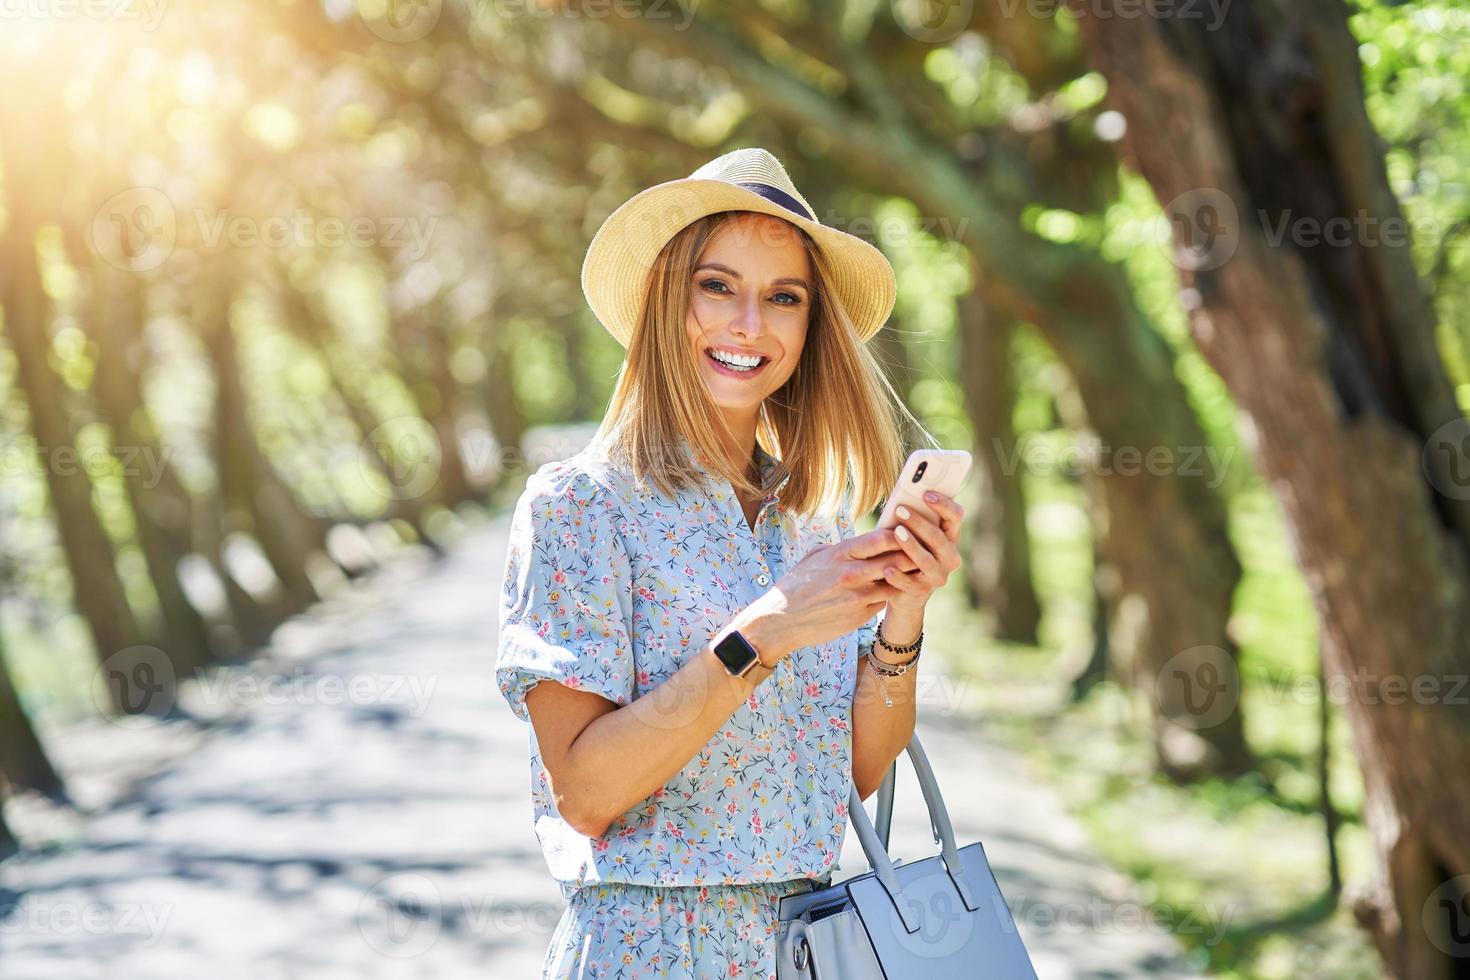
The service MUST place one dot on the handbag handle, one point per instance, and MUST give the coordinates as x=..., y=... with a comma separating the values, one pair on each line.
x=877, y=851
x=883, y=810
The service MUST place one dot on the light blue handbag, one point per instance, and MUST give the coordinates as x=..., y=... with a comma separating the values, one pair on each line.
x=940, y=918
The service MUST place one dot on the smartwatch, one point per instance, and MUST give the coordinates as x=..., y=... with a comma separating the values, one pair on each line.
x=736, y=653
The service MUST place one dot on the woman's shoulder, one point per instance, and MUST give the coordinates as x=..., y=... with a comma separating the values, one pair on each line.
x=584, y=473
x=586, y=484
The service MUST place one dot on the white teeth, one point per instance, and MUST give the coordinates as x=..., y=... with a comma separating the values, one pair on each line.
x=739, y=362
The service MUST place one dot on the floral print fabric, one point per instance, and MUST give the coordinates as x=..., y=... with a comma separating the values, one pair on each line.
x=633, y=932
x=610, y=587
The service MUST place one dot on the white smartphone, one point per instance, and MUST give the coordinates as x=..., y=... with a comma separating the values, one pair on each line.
x=941, y=470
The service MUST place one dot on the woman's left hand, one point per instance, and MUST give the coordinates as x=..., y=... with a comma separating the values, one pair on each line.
x=932, y=548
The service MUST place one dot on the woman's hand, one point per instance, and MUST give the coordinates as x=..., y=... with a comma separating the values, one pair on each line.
x=831, y=591
x=931, y=551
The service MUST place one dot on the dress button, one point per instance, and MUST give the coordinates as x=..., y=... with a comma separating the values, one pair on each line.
x=762, y=579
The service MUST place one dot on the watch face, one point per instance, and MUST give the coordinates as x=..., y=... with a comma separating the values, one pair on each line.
x=736, y=653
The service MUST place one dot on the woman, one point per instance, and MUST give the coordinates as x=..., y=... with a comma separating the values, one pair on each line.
x=688, y=584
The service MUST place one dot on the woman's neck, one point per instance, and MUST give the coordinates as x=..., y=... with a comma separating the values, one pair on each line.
x=739, y=445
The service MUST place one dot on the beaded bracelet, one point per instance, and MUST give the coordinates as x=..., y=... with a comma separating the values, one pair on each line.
x=886, y=670
x=906, y=648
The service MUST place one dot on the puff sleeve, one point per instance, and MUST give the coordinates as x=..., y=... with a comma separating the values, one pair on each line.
x=567, y=596
x=867, y=634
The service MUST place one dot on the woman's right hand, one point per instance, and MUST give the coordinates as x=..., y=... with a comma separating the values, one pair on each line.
x=831, y=591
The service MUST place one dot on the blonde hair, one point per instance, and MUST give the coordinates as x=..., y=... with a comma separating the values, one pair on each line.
x=834, y=426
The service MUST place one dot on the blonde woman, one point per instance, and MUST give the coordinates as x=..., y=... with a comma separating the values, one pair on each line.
x=725, y=660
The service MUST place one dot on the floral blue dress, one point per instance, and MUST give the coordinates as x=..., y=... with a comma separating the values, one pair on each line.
x=610, y=587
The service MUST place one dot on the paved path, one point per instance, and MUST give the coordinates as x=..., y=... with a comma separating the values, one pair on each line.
x=365, y=815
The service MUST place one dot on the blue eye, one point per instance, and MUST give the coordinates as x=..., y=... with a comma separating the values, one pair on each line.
x=720, y=288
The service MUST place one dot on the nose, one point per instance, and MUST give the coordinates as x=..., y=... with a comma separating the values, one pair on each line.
x=748, y=321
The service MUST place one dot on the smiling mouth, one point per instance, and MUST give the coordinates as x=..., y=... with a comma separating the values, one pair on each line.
x=730, y=364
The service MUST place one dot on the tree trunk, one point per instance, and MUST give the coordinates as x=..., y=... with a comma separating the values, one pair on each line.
x=304, y=314
x=423, y=350
x=253, y=494
x=507, y=421
x=162, y=518
x=998, y=569
x=1095, y=670
x=1330, y=353
x=443, y=413
x=251, y=622
x=23, y=759
x=587, y=395
x=97, y=590
x=1166, y=575
x=9, y=845
x=1331, y=819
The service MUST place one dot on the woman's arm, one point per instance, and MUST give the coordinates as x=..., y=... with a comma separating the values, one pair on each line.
x=603, y=759
x=880, y=731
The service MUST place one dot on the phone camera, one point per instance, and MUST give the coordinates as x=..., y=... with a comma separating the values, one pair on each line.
x=919, y=470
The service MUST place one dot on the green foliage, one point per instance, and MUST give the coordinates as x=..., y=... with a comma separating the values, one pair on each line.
x=543, y=379
x=932, y=273
x=977, y=81
x=1416, y=71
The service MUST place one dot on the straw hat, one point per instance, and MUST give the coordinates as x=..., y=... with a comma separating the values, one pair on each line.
x=615, y=270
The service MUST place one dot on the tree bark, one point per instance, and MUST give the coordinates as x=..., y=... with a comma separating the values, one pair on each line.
x=1166, y=575
x=998, y=570
x=23, y=760
x=254, y=496
x=304, y=314
x=8, y=843
x=251, y=622
x=424, y=349
x=1329, y=352
x=497, y=390
x=1331, y=819
x=1095, y=670
x=91, y=559
x=162, y=518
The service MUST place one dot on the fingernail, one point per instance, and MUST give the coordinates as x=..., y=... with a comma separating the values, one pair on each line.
x=931, y=496
x=902, y=532
x=903, y=512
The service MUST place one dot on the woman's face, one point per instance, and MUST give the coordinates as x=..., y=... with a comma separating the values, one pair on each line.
x=750, y=299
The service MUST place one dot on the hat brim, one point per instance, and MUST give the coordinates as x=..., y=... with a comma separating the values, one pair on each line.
x=616, y=267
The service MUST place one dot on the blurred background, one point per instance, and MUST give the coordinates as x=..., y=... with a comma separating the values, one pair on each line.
x=291, y=307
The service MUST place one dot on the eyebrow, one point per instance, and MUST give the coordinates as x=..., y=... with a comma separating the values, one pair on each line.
x=775, y=282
